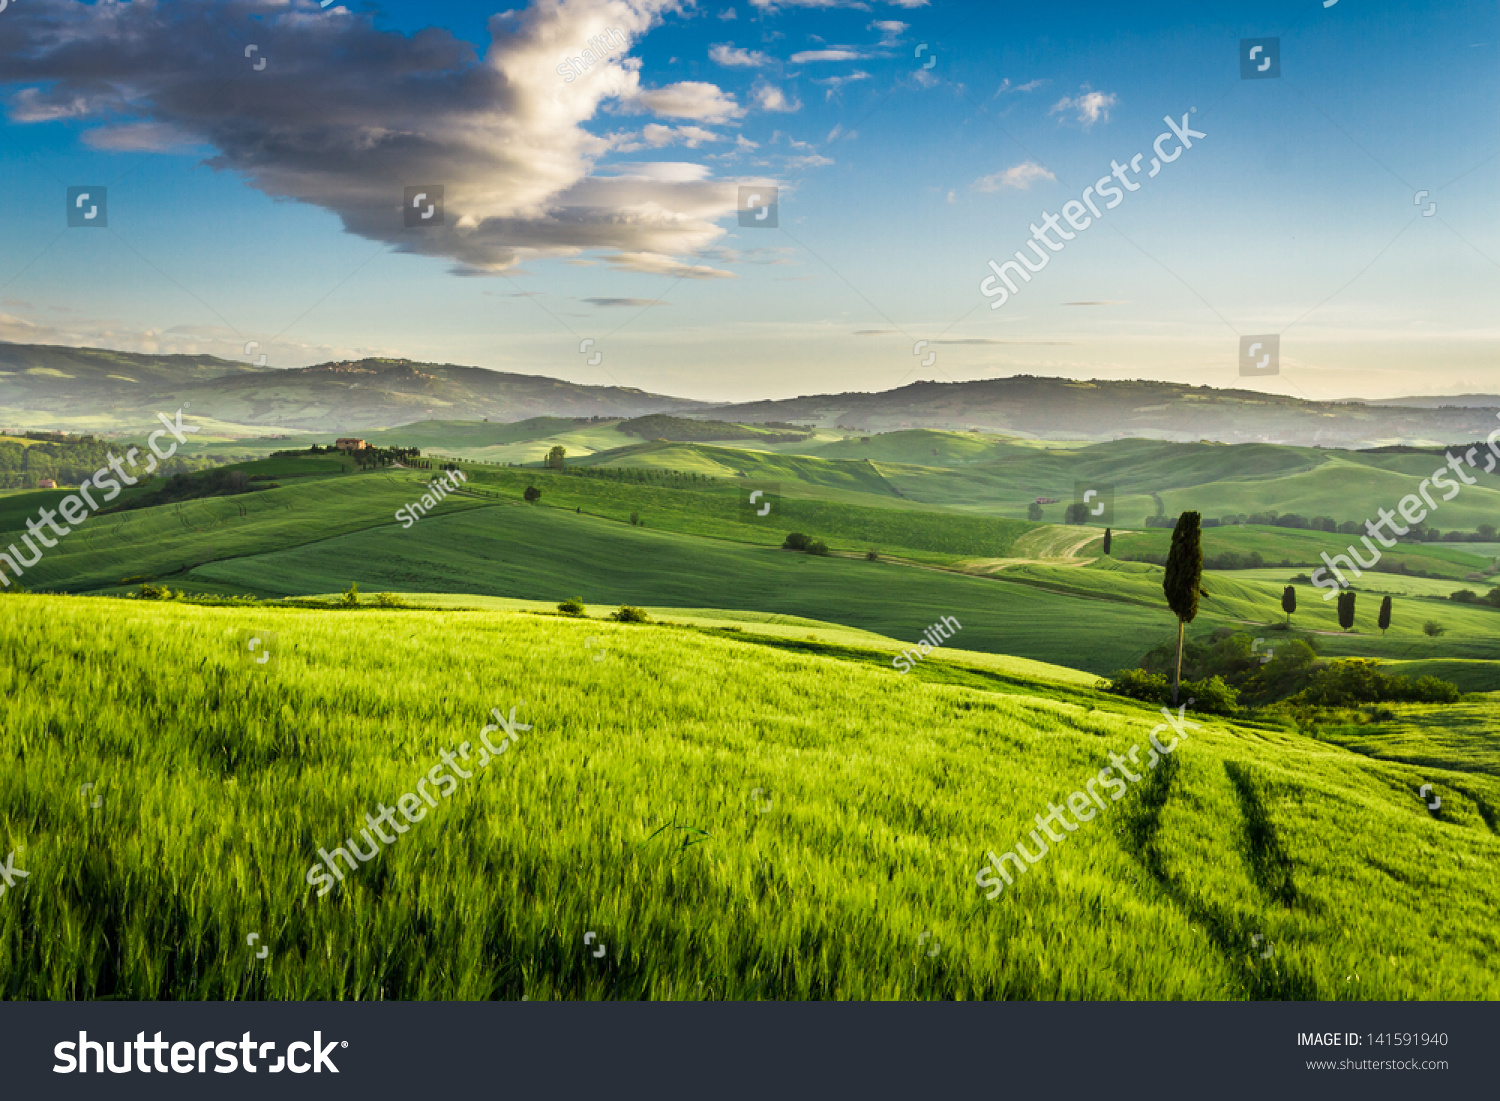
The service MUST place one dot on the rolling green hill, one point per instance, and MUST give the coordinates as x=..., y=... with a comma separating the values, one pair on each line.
x=810, y=828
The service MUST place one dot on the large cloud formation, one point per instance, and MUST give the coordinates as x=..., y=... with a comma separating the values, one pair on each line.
x=345, y=117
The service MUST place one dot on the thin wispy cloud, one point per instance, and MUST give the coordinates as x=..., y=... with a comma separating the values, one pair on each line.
x=1018, y=177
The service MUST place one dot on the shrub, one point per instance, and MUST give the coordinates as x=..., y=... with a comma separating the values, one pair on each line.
x=154, y=592
x=629, y=614
x=635, y=518
x=532, y=494
x=1464, y=596
x=351, y=598
x=1358, y=681
x=571, y=606
x=1212, y=694
x=1432, y=628
x=796, y=541
x=389, y=600
x=872, y=555
x=817, y=546
x=1137, y=684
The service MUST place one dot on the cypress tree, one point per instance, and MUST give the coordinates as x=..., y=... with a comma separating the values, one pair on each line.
x=1106, y=540
x=1182, y=582
x=1346, y=609
x=1289, y=603
x=1385, y=614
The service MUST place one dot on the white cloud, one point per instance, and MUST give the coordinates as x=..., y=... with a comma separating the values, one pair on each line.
x=657, y=135
x=835, y=83
x=1020, y=177
x=737, y=57
x=690, y=99
x=1091, y=106
x=1029, y=86
x=728, y=13
x=348, y=115
x=890, y=30
x=768, y=97
x=840, y=53
x=772, y=5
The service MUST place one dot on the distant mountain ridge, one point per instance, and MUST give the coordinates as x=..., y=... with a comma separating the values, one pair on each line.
x=96, y=390
x=81, y=385
x=1067, y=409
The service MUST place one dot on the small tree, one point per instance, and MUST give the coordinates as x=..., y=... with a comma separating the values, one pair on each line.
x=796, y=541
x=1107, y=534
x=572, y=606
x=1183, y=582
x=532, y=494
x=1033, y=511
x=1289, y=603
x=1433, y=628
x=351, y=598
x=1346, y=609
x=556, y=456
x=1076, y=514
x=1385, y=614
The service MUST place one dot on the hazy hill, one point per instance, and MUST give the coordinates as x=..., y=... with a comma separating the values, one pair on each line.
x=1054, y=408
x=88, y=385
x=98, y=390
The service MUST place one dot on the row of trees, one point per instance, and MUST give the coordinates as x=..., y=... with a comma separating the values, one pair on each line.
x=1417, y=533
x=1183, y=585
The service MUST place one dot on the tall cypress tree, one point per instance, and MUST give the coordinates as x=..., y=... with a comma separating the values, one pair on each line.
x=1346, y=609
x=1183, y=581
x=1106, y=540
x=1385, y=614
x=1289, y=603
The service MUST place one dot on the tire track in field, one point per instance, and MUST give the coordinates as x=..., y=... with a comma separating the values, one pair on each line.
x=1232, y=933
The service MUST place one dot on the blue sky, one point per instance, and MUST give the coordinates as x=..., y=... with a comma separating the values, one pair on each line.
x=266, y=205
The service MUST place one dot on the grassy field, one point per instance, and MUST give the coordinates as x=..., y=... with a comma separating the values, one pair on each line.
x=1301, y=547
x=809, y=829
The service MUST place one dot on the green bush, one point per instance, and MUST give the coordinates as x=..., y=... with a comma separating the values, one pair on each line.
x=1433, y=628
x=1359, y=681
x=532, y=494
x=571, y=606
x=389, y=600
x=1210, y=694
x=1137, y=684
x=796, y=541
x=630, y=614
x=351, y=598
x=817, y=546
x=154, y=592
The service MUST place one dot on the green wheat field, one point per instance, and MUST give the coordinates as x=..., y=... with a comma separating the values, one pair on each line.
x=740, y=799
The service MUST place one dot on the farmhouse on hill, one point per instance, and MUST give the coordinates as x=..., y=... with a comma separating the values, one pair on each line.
x=350, y=443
